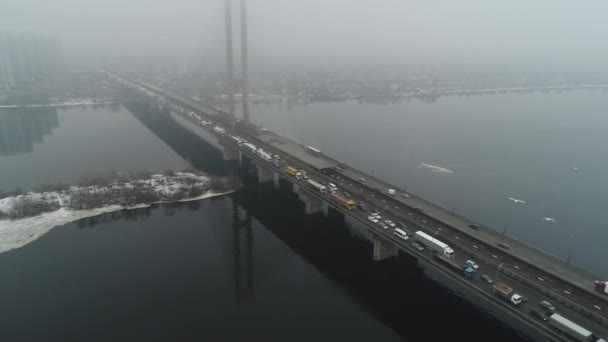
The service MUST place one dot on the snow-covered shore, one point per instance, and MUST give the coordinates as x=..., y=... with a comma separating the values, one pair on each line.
x=19, y=232
x=68, y=103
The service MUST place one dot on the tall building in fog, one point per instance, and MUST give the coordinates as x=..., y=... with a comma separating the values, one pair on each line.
x=25, y=56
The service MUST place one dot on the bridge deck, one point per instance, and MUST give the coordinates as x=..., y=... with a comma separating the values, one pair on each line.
x=520, y=250
x=529, y=260
x=296, y=151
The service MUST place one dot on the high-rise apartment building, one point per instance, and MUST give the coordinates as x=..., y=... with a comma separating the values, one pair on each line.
x=25, y=56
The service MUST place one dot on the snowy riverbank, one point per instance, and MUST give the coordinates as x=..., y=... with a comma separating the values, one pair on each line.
x=180, y=187
x=66, y=103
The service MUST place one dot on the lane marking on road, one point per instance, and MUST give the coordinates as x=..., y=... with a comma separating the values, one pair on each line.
x=539, y=278
x=566, y=292
x=494, y=256
x=597, y=307
x=457, y=238
x=475, y=247
x=517, y=267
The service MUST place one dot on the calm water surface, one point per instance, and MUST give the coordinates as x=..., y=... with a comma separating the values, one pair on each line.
x=548, y=149
x=246, y=266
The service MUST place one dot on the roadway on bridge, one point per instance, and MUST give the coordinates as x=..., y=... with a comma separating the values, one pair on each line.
x=401, y=211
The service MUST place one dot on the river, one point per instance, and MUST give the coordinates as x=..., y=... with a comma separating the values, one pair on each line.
x=249, y=265
x=471, y=153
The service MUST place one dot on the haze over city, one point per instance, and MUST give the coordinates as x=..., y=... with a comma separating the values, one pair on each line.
x=540, y=34
x=232, y=170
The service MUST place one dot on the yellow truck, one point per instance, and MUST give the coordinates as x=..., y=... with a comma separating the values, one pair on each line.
x=294, y=172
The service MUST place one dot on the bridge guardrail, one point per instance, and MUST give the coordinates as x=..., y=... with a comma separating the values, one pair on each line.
x=585, y=312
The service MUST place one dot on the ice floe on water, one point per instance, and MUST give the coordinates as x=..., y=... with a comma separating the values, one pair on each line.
x=435, y=168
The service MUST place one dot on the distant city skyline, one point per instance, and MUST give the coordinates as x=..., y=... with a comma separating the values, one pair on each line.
x=25, y=56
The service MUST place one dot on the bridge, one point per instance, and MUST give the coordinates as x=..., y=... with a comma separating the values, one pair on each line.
x=532, y=273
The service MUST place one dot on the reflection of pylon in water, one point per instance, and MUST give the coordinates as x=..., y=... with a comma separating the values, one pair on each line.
x=242, y=269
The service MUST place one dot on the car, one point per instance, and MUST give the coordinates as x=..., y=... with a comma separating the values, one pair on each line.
x=374, y=212
x=418, y=208
x=418, y=246
x=390, y=223
x=487, y=279
x=503, y=244
x=473, y=226
x=379, y=217
x=361, y=206
x=373, y=219
x=538, y=315
x=547, y=305
x=402, y=225
x=405, y=195
x=362, y=180
x=383, y=225
x=472, y=264
x=346, y=194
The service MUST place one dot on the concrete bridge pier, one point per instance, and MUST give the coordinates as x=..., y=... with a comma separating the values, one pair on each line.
x=313, y=205
x=383, y=249
x=300, y=192
x=231, y=153
x=325, y=209
x=265, y=174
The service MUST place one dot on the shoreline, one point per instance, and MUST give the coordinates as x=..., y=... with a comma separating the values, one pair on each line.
x=62, y=104
x=15, y=234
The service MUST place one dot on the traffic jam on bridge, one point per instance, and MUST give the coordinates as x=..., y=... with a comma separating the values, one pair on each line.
x=401, y=224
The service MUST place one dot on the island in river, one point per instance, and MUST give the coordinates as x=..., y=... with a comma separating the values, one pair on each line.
x=26, y=216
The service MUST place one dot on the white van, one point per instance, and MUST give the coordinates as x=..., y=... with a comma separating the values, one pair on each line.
x=332, y=187
x=401, y=234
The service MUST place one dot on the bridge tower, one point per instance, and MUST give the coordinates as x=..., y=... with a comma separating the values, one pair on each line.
x=229, y=62
x=245, y=76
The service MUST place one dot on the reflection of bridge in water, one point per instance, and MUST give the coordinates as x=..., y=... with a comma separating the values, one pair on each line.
x=242, y=254
x=578, y=299
x=21, y=128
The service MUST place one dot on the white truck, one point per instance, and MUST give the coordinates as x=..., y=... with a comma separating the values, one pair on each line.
x=507, y=293
x=332, y=187
x=250, y=147
x=434, y=244
x=321, y=188
x=391, y=192
x=264, y=155
x=570, y=328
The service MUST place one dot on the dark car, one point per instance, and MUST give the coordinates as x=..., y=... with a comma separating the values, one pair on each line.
x=374, y=211
x=418, y=246
x=538, y=315
x=361, y=206
x=473, y=226
x=547, y=306
x=503, y=244
x=487, y=279
x=418, y=208
x=346, y=194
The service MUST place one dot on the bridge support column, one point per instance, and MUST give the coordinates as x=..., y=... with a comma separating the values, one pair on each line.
x=265, y=174
x=231, y=153
x=313, y=205
x=383, y=249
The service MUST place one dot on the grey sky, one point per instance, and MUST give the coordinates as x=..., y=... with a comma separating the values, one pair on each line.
x=329, y=31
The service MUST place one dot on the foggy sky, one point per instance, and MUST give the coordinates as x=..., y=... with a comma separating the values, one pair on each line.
x=327, y=32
